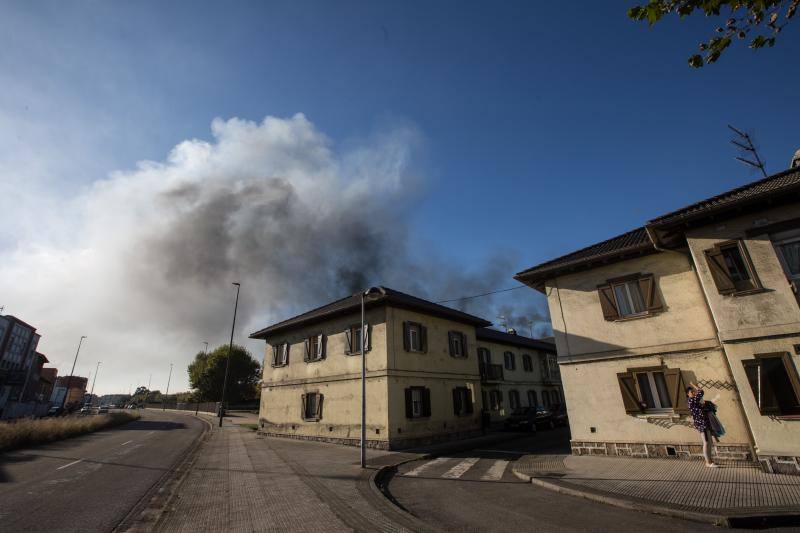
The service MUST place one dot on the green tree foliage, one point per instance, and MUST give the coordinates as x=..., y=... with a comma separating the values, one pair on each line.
x=759, y=21
x=207, y=372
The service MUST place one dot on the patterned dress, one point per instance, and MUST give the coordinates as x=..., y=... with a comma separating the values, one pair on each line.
x=696, y=407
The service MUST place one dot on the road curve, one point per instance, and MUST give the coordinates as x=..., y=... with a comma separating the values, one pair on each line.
x=90, y=483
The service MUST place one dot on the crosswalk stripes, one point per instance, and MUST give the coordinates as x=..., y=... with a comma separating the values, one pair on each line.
x=461, y=468
x=426, y=466
x=496, y=471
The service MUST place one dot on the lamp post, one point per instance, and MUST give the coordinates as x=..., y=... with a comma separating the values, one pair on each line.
x=69, y=379
x=96, y=370
x=228, y=362
x=164, y=399
x=369, y=293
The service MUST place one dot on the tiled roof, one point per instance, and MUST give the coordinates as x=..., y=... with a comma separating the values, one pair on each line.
x=352, y=303
x=493, y=335
x=632, y=242
x=781, y=183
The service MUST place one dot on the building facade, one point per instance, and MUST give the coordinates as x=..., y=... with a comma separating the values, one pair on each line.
x=423, y=380
x=75, y=389
x=708, y=295
x=516, y=372
x=19, y=366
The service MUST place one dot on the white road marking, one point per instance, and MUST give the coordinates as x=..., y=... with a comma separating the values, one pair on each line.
x=425, y=466
x=70, y=464
x=510, y=452
x=124, y=443
x=495, y=471
x=461, y=468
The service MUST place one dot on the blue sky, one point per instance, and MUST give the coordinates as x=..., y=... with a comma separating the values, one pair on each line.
x=543, y=126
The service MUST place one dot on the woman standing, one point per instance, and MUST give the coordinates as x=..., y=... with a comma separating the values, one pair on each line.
x=700, y=420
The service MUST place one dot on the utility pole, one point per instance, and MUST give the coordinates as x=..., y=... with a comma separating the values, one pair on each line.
x=369, y=293
x=228, y=362
x=96, y=370
x=69, y=379
x=746, y=144
x=164, y=398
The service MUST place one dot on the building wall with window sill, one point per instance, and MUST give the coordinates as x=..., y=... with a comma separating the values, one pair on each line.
x=579, y=324
x=776, y=304
x=597, y=411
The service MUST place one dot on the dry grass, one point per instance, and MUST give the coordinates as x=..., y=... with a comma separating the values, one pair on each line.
x=29, y=432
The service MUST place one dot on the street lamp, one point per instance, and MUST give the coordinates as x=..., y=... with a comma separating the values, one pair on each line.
x=370, y=293
x=96, y=370
x=164, y=398
x=69, y=379
x=228, y=362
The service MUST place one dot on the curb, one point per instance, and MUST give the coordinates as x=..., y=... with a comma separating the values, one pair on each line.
x=767, y=519
x=148, y=510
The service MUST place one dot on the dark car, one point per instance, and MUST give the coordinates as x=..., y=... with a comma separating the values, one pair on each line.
x=522, y=419
x=55, y=411
x=545, y=418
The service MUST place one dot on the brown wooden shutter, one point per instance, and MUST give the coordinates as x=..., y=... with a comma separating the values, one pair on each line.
x=287, y=346
x=652, y=301
x=321, y=346
x=426, y=402
x=307, y=355
x=319, y=406
x=676, y=387
x=469, y=407
x=464, y=348
x=719, y=271
x=366, y=338
x=456, y=402
x=274, y=355
x=423, y=335
x=450, y=338
x=303, y=407
x=406, y=345
x=409, y=404
x=627, y=387
x=607, y=302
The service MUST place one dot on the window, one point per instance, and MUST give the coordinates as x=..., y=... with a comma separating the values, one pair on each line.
x=495, y=400
x=415, y=337
x=484, y=356
x=774, y=382
x=513, y=399
x=462, y=401
x=458, y=344
x=532, y=398
x=630, y=296
x=418, y=402
x=353, y=339
x=527, y=363
x=653, y=389
x=312, y=406
x=789, y=255
x=509, y=361
x=545, y=398
x=280, y=354
x=731, y=268
x=315, y=348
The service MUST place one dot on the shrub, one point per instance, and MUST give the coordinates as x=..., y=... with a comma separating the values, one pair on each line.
x=29, y=432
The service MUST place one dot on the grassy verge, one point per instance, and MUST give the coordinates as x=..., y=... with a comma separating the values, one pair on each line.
x=29, y=432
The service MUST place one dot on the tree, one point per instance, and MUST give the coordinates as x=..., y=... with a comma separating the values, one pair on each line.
x=207, y=372
x=760, y=21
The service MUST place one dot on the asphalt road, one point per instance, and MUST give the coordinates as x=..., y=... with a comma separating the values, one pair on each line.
x=488, y=497
x=90, y=483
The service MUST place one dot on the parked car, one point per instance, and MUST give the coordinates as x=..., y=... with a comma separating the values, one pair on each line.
x=545, y=418
x=522, y=419
x=86, y=410
x=103, y=409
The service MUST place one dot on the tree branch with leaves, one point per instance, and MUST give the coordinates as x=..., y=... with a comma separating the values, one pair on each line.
x=759, y=21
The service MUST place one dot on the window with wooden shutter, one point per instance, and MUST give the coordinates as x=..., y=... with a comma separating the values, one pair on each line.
x=731, y=268
x=409, y=404
x=607, y=302
x=457, y=401
x=274, y=355
x=630, y=296
x=677, y=390
x=280, y=354
x=649, y=291
x=426, y=402
x=458, y=344
x=353, y=346
x=415, y=337
x=630, y=397
x=308, y=348
x=312, y=406
x=774, y=382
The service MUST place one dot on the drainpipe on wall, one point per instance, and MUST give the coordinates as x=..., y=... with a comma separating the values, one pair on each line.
x=688, y=255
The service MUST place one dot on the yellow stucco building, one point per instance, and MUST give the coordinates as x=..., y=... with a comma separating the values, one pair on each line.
x=707, y=294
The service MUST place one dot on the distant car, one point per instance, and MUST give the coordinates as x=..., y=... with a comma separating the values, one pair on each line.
x=522, y=419
x=86, y=410
x=103, y=409
x=545, y=418
x=55, y=411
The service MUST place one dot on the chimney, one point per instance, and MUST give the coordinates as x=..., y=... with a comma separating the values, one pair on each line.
x=795, y=160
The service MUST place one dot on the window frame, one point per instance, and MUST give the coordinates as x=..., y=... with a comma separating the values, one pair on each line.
x=506, y=359
x=462, y=402
x=424, y=402
x=350, y=335
x=314, y=348
x=514, y=402
x=318, y=399
x=531, y=393
x=283, y=349
x=527, y=362
x=789, y=368
x=495, y=400
x=719, y=270
x=634, y=402
x=454, y=339
x=422, y=334
x=648, y=290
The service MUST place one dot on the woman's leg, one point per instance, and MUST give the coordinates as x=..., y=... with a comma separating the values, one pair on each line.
x=706, y=446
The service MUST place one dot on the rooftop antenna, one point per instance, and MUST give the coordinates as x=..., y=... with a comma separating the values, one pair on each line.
x=746, y=144
x=503, y=322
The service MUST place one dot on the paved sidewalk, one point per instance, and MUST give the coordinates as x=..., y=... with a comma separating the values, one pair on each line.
x=726, y=495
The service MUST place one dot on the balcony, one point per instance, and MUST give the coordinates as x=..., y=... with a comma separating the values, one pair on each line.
x=491, y=372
